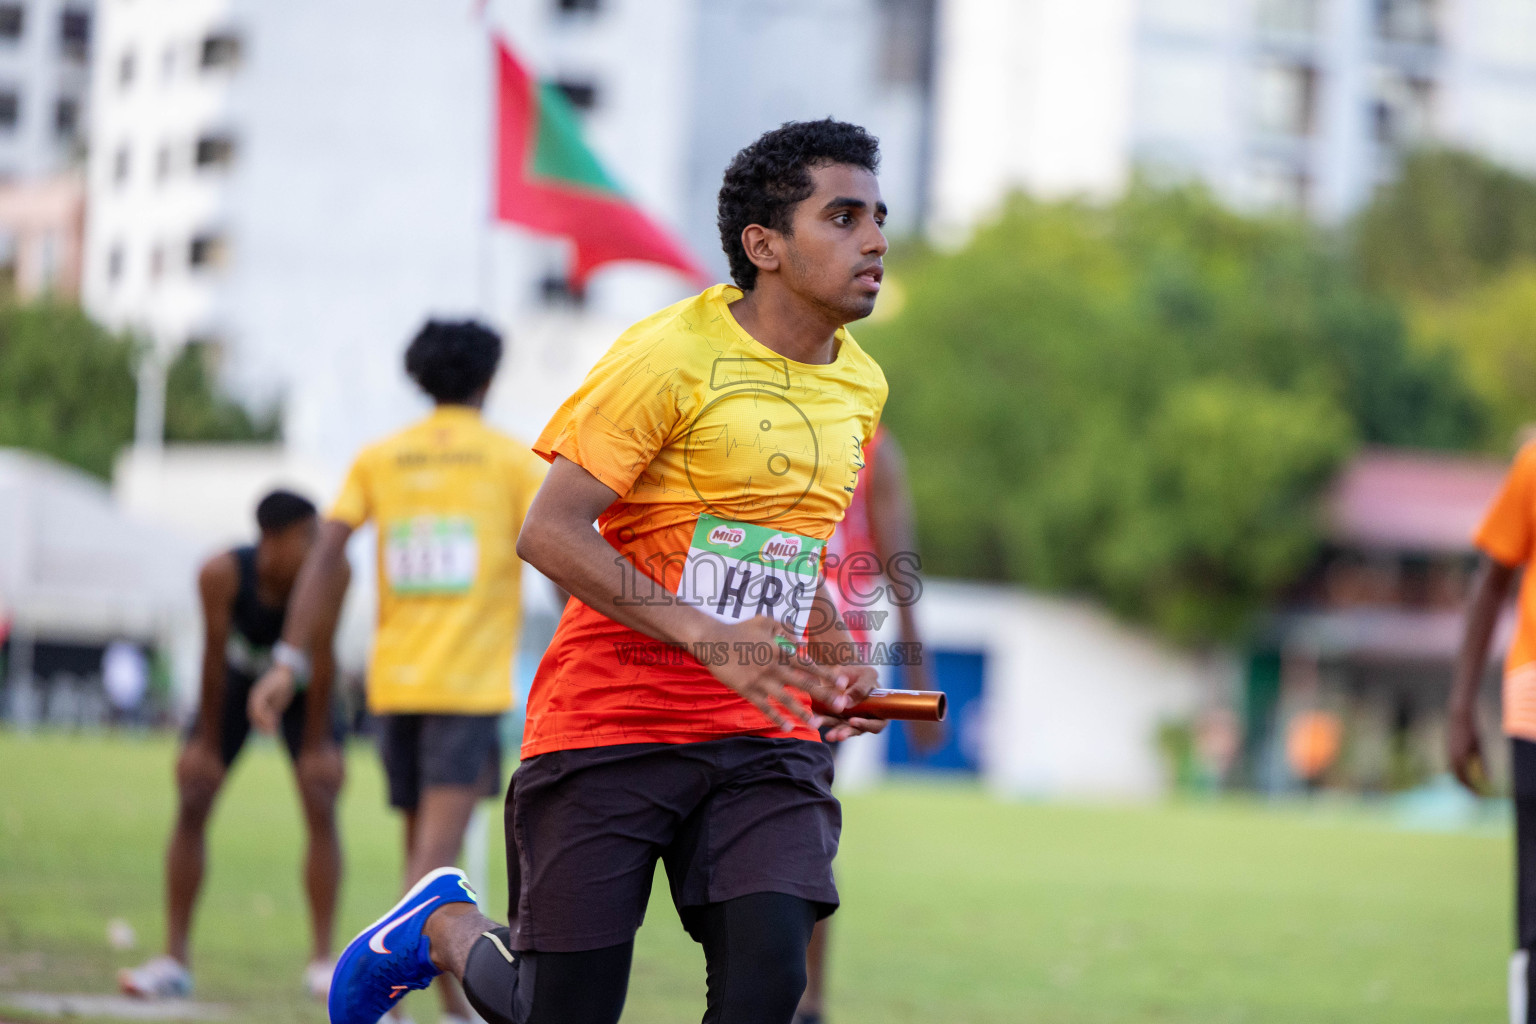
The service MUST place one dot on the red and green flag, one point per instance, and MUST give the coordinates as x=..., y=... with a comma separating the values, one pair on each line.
x=548, y=180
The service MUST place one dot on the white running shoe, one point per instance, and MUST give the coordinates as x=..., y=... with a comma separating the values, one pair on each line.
x=317, y=979
x=163, y=977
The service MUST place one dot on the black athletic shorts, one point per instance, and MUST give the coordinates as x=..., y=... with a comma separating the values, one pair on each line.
x=1522, y=772
x=235, y=721
x=439, y=750
x=728, y=817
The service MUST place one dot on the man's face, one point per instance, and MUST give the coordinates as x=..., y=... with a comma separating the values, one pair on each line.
x=834, y=248
x=284, y=549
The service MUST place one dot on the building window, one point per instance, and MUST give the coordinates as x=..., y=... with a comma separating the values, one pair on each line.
x=13, y=18
x=10, y=109
x=221, y=50
x=1407, y=21
x=214, y=151
x=207, y=251
x=66, y=117
x=115, y=261
x=1278, y=186
x=1286, y=99
x=582, y=95
x=75, y=33
x=578, y=6
x=120, y=165
x=127, y=64
x=162, y=163
x=156, y=262
x=1288, y=17
x=1403, y=110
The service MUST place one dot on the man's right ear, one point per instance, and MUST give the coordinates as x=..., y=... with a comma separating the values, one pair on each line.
x=763, y=246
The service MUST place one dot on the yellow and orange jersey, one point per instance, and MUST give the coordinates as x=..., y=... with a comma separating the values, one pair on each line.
x=715, y=443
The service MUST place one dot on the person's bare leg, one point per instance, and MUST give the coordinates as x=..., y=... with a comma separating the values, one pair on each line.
x=438, y=834
x=199, y=776
x=409, y=821
x=452, y=930
x=815, y=970
x=320, y=778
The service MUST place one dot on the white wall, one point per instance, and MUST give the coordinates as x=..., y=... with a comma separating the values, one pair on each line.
x=1074, y=697
x=755, y=66
x=1031, y=94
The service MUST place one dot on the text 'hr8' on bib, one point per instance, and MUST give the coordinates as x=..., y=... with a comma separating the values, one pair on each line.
x=431, y=555
x=736, y=571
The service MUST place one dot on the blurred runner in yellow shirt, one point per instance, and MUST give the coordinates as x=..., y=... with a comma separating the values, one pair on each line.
x=448, y=496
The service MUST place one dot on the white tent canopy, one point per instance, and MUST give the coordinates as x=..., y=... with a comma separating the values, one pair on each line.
x=74, y=568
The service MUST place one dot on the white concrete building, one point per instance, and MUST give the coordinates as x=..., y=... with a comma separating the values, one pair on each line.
x=45, y=50
x=300, y=183
x=1293, y=103
x=1049, y=697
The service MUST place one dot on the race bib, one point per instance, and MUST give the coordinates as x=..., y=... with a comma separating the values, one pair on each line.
x=431, y=555
x=739, y=570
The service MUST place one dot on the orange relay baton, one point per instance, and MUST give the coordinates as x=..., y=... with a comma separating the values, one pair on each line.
x=895, y=705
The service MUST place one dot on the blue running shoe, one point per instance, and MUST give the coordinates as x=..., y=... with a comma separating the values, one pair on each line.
x=391, y=956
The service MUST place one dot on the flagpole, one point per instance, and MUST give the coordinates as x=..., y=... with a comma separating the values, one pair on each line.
x=486, y=257
x=477, y=831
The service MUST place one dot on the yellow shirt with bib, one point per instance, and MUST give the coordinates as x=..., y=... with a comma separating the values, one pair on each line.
x=448, y=496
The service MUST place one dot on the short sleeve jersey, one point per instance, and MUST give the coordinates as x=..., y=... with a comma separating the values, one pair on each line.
x=1508, y=536
x=686, y=415
x=448, y=496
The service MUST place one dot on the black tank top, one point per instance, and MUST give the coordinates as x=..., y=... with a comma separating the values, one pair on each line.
x=260, y=624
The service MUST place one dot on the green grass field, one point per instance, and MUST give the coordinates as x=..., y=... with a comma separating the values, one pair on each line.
x=957, y=908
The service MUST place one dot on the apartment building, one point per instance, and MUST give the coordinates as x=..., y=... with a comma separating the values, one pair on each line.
x=1300, y=104
x=296, y=183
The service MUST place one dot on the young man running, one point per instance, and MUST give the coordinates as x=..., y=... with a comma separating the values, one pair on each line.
x=448, y=496
x=716, y=445
x=1508, y=537
x=245, y=594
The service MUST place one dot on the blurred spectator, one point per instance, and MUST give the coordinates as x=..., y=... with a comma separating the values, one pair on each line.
x=125, y=677
x=1312, y=745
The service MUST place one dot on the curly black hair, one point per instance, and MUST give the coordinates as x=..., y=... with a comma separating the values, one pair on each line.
x=281, y=509
x=766, y=180
x=452, y=359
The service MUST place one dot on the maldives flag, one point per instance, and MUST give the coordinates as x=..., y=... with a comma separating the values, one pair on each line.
x=548, y=180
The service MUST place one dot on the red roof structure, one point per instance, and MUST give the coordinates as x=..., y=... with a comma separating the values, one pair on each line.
x=1412, y=501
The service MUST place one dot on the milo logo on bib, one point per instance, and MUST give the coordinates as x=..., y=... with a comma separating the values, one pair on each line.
x=727, y=536
x=783, y=548
x=736, y=571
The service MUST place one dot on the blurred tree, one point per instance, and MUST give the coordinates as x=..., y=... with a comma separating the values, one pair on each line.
x=1454, y=240
x=66, y=386
x=67, y=390
x=1144, y=401
x=197, y=410
x=1492, y=328
x=1451, y=220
